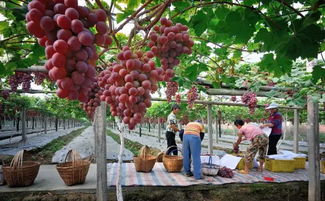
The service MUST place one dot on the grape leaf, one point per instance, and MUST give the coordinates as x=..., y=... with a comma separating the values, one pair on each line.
x=199, y=22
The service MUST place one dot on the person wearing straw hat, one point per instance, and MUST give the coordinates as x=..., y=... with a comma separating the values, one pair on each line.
x=172, y=129
x=192, y=148
x=274, y=122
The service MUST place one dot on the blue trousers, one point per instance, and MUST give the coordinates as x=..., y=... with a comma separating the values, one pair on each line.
x=192, y=147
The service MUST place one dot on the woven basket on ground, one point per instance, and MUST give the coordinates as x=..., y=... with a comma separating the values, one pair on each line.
x=172, y=163
x=74, y=171
x=144, y=162
x=19, y=172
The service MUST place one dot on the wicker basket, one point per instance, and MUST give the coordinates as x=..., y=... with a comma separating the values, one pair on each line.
x=172, y=163
x=75, y=171
x=19, y=172
x=144, y=162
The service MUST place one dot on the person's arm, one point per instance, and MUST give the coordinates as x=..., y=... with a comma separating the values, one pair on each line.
x=239, y=139
x=267, y=125
x=174, y=127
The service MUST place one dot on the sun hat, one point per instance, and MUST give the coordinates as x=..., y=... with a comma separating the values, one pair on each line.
x=272, y=106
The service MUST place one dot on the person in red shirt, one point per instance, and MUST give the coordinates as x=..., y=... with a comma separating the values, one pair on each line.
x=259, y=142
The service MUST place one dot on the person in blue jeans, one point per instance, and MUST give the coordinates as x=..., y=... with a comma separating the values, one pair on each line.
x=192, y=147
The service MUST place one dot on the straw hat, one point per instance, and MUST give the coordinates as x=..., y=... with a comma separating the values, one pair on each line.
x=272, y=106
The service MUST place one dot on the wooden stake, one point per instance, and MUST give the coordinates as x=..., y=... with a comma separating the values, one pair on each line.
x=100, y=149
x=295, y=131
x=210, y=145
x=313, y=151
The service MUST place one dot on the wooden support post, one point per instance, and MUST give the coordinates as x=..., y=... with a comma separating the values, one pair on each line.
x=295, y=131
x=313, y=151
x=159, y=130
x=56, y=124
x=210, y=145
x=45, y=124
x=100, y=148
x=23, y=125
x=217, y=136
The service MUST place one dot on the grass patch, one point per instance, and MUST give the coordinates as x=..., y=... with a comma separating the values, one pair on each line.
x=134, y=147
x=45, y=154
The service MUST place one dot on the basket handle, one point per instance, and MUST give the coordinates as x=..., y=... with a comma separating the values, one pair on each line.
x=144, y=151
x=173, y=146
x=73, y=155
x=17, y=161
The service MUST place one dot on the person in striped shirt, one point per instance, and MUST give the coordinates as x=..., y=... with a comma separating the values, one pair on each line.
x=192, y=147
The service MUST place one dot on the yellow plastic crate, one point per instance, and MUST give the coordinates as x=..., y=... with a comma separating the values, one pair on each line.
x=322, y=166
x=241, y=165
x=300, y=163
x=280, y=165
x=268, y=164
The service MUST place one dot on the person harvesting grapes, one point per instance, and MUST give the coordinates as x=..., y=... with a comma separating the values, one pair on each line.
x=172, y=129
x=259, y=142
x=274, y=122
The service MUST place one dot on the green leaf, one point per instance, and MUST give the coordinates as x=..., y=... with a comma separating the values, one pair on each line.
x=194, y=70
x=318, y=74
x=3, y=25
x=121, y=16
x=181, y=5
x=132, y=4
x=199, y=22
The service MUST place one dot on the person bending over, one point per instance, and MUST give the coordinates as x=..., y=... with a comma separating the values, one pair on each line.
x=192, y=147
x=259, y=142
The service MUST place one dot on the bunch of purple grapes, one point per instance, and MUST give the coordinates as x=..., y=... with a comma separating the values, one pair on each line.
x=172, y=88
x=39, y=77
x=20, y=78
x=233, y=98
x=250, y=100
x=225, y=172
x=5, y=94
x=192, y=95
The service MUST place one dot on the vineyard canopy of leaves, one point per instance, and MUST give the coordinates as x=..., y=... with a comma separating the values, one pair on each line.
x=286, y=33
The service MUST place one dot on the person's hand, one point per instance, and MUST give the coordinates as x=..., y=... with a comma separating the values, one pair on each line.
x=262, y=126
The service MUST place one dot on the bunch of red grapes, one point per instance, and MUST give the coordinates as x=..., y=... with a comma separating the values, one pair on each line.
x=127, y=85
x=178, y=98
x=94, y=101
x=249, y=98
x=192, y=95
x=233, y=98
x=63, y=28
x=172, y=88
x=39, y=77
x=22, y=78
x=168, y=42
x=225, y=172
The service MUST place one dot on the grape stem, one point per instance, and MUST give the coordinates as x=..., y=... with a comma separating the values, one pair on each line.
x=132, y=16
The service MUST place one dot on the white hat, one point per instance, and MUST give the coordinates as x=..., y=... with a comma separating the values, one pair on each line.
x=272, y=106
